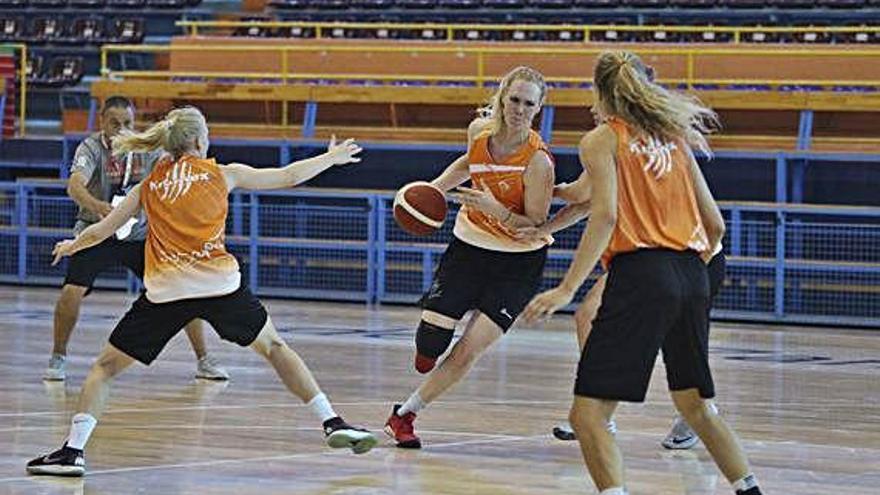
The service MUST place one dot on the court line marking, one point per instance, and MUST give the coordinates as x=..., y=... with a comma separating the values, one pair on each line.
x=250, y=427
x=286, y=405
x=567, y=402
x=221, y=462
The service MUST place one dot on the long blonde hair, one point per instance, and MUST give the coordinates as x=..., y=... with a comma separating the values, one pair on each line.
x=494, y=111
x=174, y=133
x=625, y=88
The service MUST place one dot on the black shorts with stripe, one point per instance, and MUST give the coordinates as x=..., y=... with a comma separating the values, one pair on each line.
x=496, y=283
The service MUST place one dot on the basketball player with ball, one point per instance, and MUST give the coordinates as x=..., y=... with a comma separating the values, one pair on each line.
x=486, y=269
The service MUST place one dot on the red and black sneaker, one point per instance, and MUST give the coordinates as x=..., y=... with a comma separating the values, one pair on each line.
x=400, y=428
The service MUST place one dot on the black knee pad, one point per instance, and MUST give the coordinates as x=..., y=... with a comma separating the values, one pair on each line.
x=431, y=340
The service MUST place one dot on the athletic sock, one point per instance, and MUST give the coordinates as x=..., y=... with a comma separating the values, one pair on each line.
x=321, y=407
x=81, y=427
x=747, y=485
x=414, y=404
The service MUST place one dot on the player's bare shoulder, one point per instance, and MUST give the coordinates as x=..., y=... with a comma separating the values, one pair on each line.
x=600, y=138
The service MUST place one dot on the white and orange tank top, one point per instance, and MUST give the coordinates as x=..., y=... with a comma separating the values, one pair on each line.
x=656, y=201
x=504, y=178
x=185, y=201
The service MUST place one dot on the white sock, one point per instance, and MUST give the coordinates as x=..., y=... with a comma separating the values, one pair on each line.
x=414, y=404
x=745, y=483
x=322, y=408
x=617, y=490
x=81, y=427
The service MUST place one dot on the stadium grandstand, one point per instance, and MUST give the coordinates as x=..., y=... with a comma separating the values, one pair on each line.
x=796, y=168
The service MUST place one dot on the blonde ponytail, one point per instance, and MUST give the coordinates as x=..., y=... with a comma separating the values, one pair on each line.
x=625, y=88
x=174, y=134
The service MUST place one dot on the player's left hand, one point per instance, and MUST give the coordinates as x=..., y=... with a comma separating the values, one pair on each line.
x=530, y=234
x=546, y=303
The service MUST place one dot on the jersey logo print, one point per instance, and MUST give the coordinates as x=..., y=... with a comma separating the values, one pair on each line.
x=178, y=181
x=184, y=259
x=658, y=154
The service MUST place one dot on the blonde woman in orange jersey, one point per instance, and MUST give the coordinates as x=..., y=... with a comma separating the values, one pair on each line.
x=653, y=224
x=681, y=436
x=190, y=274
x=485, y=269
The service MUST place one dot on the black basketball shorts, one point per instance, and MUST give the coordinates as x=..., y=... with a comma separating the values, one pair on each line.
x=498, y=284
x=147, y=327
x=654, y=299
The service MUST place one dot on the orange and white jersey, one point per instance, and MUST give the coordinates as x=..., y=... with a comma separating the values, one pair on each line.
x=504, y=178
x=185, y=201
x=656, y=200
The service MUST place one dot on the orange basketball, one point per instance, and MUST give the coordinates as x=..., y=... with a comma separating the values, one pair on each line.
x=419, y=208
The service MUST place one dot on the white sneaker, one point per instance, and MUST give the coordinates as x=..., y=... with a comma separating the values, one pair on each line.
x=57, y=369
x=209, y=369
x=681, y=436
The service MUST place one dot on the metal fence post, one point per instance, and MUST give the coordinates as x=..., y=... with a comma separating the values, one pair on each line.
x=381, y=248
x=735, y=232
x=372, y=209
x=547, y=116
x=21, y=208
x=237, y=214
x=253, y=244
x=779, y=279
x=781, y=178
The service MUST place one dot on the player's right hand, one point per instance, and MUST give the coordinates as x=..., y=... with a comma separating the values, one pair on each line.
x=62, y=249
x=345, y=152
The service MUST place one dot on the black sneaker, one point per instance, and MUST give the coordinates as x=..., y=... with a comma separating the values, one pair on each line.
x=342, y=435
x=564, y=433
x=63, y=462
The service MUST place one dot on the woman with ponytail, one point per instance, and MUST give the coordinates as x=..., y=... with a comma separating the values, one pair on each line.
x=190, y=274
x=654, y=225
x=486, y=268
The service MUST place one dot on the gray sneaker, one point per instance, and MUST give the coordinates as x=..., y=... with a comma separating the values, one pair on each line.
x=57, y=369
x=681, y=436
x=209, y=369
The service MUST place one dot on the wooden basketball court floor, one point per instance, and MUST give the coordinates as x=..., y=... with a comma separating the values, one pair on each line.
x=806, y=403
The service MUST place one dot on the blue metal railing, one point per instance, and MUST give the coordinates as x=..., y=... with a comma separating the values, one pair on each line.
x=790, y=166
x=787, y=263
